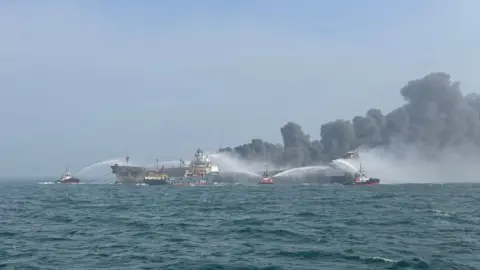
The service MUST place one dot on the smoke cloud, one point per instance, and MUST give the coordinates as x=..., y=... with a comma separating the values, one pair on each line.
x=433, y=137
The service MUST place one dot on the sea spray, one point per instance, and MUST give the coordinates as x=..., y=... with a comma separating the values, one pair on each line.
x=228, y=163
x=301, y=171
x=449, y=166
x=350, y=166
x=108, y=162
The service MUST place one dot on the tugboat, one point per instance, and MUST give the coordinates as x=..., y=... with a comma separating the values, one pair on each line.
x=157, y=177
x=267, y=178
x=67, y=178
x=362, y=179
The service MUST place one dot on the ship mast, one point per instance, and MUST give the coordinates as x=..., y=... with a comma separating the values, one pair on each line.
x=266, y=165
x=361, y=169
x=127, y=158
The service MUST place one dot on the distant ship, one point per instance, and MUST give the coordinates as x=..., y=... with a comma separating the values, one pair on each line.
x=67, y=178
x=199, y=172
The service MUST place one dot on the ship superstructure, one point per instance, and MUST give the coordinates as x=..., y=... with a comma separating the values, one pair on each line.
x=351, y=155
x=200, y=171
x=201, y=166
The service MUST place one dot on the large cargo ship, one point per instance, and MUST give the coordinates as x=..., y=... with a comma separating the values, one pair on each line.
x=199, y=171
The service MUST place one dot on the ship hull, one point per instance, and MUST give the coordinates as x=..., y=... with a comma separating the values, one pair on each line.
x=156, y=182
x=175, y=176
x=193, y=180
x=369, y=182
x=70, y=181
x=135, y=175
x=266, y=181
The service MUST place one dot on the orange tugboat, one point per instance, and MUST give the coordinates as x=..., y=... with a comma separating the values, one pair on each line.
x=67, y=178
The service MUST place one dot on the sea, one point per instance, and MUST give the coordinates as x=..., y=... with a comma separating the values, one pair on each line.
x=100, y=226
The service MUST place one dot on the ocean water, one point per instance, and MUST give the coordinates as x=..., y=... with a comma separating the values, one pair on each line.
x=239, y=227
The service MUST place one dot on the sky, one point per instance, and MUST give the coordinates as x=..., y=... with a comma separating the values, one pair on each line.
x=86, y=81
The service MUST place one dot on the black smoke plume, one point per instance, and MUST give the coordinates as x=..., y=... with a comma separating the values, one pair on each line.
x=436, y=115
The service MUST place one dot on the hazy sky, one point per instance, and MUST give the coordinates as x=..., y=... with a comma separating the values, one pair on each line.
x=86, y=81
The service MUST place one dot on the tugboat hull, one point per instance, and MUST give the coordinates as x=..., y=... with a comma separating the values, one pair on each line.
x=156, y=182
x=70, y=181
x=369, y=182
x=266, y=182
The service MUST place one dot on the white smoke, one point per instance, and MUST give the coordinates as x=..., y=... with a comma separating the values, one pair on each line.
x=228, y=163
x=451, y=165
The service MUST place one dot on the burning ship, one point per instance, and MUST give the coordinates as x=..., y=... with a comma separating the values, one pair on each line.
x=199, y=171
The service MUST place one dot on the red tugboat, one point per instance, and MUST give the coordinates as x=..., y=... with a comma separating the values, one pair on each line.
x=267, y=178
x=363, y=180
x=67, y=178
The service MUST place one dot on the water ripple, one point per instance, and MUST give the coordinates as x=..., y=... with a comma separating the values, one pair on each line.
x=240, y=227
